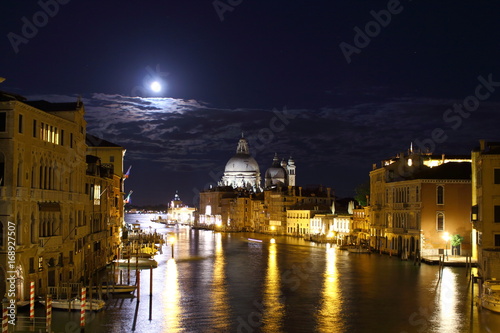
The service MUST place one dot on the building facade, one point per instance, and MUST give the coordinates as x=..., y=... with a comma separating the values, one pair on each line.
x=486, y=208
x=44, y=193
x=416, y=201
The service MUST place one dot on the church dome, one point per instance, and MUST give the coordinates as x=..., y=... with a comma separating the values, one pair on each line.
x=276, y=174
x=242, y=169
x=242, y=163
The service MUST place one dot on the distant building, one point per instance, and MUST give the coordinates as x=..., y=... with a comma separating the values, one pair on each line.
x=240, y=203
x=416, y=199
x=179, y=212
x=486, y=208
x=65, y=206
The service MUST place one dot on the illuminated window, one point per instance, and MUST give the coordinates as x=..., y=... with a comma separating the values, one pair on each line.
x=440, y=221
x=440, y=195
x=97, y=195
x=40, y=263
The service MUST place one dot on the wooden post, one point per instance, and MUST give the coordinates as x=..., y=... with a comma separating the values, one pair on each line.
x=83, y=304
x=138, y=282
x=48, y=311
x=5, y=318
x=32, y=300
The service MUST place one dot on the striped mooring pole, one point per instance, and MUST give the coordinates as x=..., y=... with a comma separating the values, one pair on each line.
x=5, y=320
x=82, y=307
x=32, y=300
x=49, y=312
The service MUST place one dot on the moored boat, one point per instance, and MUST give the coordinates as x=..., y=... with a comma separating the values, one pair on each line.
x=490, y=295
x=115, y=289
x=75, y=304
x=358, y=249
x=136, y=261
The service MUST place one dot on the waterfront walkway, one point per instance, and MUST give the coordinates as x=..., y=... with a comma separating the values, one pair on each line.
x=451, y=260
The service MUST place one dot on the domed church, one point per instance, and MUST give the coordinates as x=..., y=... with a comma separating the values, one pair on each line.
x=242, y=170
x=280, y=174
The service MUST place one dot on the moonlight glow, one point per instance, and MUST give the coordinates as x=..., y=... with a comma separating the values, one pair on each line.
x=155, y=86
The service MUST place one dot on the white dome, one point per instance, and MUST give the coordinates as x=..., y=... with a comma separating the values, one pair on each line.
x=242, y=169
x=241, y=163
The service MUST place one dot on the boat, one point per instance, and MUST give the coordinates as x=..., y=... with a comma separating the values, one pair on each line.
x=139, y=262
x=490, y=295
x=160, y=220
x=358, y=249
x=75, y=304
x=115, y=289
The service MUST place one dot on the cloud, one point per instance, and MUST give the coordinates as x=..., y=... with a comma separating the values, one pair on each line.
x=182, y=136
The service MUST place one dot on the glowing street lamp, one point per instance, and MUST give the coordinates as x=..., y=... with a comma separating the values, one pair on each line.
x=446, y=237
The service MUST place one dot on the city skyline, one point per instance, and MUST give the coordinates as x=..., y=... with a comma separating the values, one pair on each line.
x=337, y=86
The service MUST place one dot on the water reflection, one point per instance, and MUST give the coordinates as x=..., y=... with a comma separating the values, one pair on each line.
x=273, y=302
x=171, y=298
x=220, y=300
x=447, y=318
x=329, y=316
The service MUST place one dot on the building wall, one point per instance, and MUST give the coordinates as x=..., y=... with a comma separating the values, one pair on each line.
x=456, y=212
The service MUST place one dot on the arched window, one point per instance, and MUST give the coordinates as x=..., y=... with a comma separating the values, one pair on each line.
x=2, y=169
x=440, y=195
x=19, y=230
x=440, y=221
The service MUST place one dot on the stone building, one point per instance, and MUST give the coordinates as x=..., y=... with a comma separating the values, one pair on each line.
x=45, y=195
x=486, y=208
x=416, y=199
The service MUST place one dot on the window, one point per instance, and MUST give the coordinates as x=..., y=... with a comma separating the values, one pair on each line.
x=497, y=176
x=497, y=214
x=440, y=195
x=20, y=123
x=32, y=265
x=1, y=234
x=40, y=263
x=111, y=159
x=440, y=221
x=71, y=140
x=62, y=137
x=475, y=213
x=3, y=121
x=497, y=239
x=35, y=129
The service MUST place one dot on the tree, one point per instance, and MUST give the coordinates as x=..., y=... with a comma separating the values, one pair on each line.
x=362, y=191
x=456, y=240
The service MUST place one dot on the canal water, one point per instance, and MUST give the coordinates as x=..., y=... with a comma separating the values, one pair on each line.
x=247, y=282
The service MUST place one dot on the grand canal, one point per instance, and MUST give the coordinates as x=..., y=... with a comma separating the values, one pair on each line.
x=222, y=282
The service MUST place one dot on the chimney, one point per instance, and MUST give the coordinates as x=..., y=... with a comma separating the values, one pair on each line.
x=482, y=145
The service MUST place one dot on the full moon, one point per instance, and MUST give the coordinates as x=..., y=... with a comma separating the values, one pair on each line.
x=155, y=86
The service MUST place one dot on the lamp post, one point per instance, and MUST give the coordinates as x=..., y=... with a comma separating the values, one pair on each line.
x=446, y=237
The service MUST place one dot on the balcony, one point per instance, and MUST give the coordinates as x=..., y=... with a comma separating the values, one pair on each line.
x=48, y=242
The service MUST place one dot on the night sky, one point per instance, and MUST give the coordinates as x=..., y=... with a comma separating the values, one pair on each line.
x=339, y=85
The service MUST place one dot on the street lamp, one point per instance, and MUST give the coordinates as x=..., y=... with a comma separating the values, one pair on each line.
x=172, y=241
x=446, y=237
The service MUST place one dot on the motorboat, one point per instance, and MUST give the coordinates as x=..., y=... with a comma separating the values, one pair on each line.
x=490, y=295
x=75, y=304
x=358, y=249
x=137, y=261
x=114, y=288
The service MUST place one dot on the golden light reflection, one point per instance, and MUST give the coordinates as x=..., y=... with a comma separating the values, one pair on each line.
x=273, y=316
x=171, y=297
x=329, y=316
x=447, y=317
x=220, y=299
